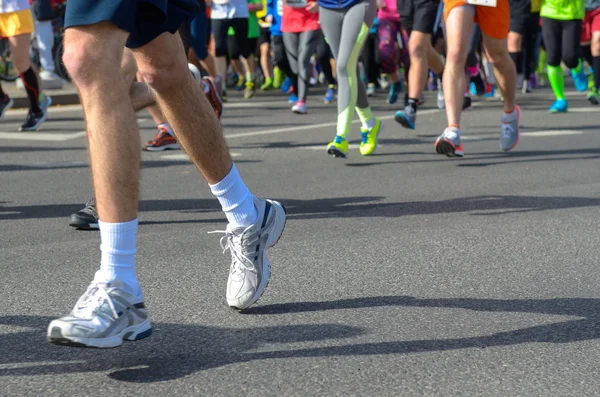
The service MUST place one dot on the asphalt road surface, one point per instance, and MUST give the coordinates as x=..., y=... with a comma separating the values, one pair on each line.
x=400, y=274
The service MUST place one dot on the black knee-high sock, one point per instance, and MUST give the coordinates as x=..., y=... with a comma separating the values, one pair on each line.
x=517, y=58
x=33, y=90
x=586, y=51
x=596, y=67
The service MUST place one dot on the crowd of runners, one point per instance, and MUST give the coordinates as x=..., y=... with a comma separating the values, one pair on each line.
x=459, y=48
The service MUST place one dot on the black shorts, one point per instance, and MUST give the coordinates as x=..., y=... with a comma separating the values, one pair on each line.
x=520, y=13
x=265, y=36
x=145, y=20
x=232, y=45
x=418, y=15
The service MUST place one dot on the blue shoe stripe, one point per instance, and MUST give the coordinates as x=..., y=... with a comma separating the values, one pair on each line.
x=144, y=334
x=266, y=215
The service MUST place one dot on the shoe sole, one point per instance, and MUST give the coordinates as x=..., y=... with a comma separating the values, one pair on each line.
x=444, y=146
x=9, y=105
x=406, y=123
x=337, y=153
x=172, y=146
x=84, y=226
x=593, y=101
x=271, y=242
x=132, y=333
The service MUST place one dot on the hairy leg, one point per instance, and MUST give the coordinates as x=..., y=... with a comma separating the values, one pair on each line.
x=163, y=65
x=93, y=57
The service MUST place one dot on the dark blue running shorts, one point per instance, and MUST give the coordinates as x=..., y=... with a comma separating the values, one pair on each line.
x=145, y=20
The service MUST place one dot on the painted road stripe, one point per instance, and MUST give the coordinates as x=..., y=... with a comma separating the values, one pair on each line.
x=41, y=136
x=552, y=133
x=184, y=157
x=311, y=126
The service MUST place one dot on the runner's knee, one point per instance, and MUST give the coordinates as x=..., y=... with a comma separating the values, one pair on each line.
x=159, y=73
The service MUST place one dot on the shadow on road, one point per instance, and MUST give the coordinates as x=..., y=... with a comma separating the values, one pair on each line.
x=339, y=207
x=176, y=350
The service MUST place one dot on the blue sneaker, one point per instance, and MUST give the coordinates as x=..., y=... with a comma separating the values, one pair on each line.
x=559, y=106
x=394, y=91
x=407, y=117
x=473, y=89
x=287, y=84
x=581, y=80
x=329, y=96
x=293, y=99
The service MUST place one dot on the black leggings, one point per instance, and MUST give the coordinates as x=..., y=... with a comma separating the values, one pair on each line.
x=324, y=57
x=220, y=28
x=562, y=39
x=281, y=61
x=370, y=58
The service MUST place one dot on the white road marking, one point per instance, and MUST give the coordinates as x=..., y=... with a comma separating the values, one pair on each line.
x=38, y=364
x=311, y=126
x=584, y=110
x=552, y=133
x=184, y=157
x=41, y=136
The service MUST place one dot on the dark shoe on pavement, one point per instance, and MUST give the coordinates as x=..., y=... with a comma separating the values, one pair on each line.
x=86, y=218
x=5, y=104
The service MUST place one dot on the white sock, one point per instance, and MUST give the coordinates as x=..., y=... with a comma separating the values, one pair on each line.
x=206, y=87
x=118, y=247
x=167, y=127
x=369, y=124
x=236, y=200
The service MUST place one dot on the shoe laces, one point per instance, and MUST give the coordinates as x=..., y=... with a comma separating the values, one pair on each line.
x=241, y=249
x=93, y=300
x=90, y=208
x=364, y=136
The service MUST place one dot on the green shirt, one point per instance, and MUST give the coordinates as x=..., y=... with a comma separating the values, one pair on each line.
x=564, y=10
x=253, y=26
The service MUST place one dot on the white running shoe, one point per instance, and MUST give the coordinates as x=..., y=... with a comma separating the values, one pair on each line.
x=196, y=74
x=250, y=268
x=299, y=107
x=103, y=317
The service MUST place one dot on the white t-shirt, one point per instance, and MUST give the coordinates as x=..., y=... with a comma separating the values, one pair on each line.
x=13, y=5
x=228, y=9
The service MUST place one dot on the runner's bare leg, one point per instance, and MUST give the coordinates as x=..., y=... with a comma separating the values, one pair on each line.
x=164, y=66
x=111, y=124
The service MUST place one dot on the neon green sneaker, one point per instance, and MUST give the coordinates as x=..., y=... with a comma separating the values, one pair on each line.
x=278, y=77
x=338, y=147
x=368, y=144
x=267, y=85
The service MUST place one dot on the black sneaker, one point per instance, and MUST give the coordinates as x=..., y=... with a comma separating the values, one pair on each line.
x=466, y=103
x=5, y=104
x=86, y=218
x=33, y=120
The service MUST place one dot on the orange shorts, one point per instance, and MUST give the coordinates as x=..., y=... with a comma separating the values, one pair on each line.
x=494, y=21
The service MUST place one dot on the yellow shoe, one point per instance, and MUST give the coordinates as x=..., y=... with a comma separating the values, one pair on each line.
x=368, y=144
x=338, y=148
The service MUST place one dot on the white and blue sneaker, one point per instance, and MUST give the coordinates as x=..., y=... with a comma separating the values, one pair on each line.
x=250, y=268
x=104, y=316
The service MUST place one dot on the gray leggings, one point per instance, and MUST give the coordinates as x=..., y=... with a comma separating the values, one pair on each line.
x=299, y=48
x=346, y=30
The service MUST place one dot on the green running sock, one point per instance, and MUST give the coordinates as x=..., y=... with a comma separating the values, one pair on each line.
x=577, y=69
x=557, y=81
x=541, y=61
